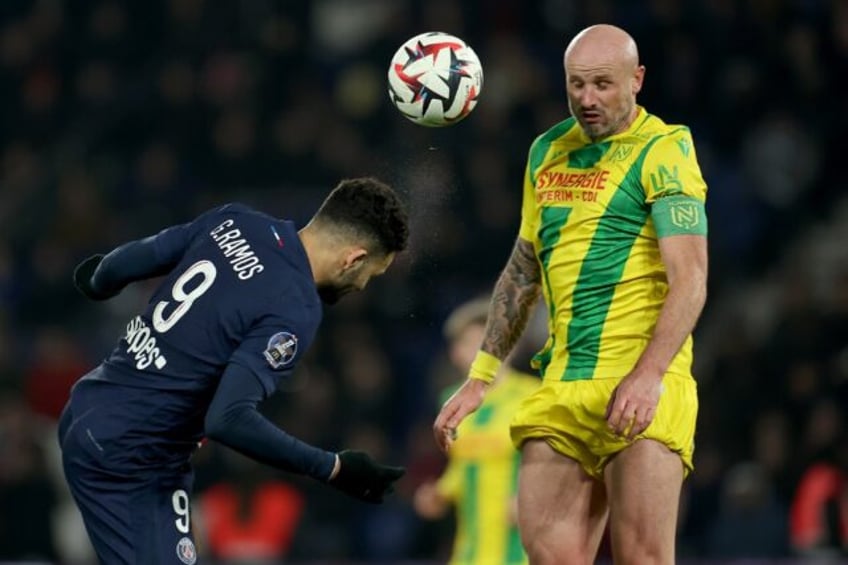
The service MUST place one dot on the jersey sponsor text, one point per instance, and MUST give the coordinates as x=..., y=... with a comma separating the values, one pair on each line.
x=141, y=344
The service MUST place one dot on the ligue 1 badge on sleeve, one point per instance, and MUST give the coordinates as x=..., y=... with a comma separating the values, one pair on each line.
x=281, y=349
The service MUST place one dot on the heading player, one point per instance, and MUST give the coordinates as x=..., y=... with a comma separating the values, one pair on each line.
x=613, y=235
x=239, y=305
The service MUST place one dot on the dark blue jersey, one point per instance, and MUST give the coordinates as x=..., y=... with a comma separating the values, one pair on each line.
x=238, y=297
x=241, y=290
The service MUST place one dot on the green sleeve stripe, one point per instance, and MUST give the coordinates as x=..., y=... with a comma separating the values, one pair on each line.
x=679, y=215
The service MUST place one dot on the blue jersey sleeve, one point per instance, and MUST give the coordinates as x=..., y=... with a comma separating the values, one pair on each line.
x=150, y=257
x=270, y=350
x=233, y=420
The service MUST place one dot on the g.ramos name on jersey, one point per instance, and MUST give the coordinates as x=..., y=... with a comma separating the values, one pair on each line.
x=235, y=248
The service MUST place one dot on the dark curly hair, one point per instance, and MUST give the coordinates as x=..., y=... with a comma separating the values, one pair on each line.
x=367, y=208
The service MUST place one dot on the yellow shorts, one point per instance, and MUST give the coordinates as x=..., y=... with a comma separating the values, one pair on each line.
x=569, y=416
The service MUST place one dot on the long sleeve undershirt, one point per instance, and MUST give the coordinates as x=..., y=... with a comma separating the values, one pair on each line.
x=233, y=420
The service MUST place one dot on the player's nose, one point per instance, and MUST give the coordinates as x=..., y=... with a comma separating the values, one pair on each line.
x=588, y=99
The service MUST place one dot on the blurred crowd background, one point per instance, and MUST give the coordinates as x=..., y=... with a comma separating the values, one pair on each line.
x=122, y=117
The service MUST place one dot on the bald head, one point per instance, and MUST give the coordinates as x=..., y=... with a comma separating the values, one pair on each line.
x=603, y=76
x=603, y=43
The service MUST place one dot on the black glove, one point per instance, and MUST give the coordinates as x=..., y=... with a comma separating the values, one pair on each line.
x=361, y=477
x=82, y=278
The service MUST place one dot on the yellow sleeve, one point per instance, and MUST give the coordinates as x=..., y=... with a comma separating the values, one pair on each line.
x=674, y=185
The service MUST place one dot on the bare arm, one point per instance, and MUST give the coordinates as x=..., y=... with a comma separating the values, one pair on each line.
x=633, y=403
x=685, y=259
x=514, y=296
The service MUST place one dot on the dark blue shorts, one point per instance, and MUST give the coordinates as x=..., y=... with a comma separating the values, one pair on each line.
x=132, y=516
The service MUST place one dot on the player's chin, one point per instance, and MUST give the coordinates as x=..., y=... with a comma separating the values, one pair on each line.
x=594, y=127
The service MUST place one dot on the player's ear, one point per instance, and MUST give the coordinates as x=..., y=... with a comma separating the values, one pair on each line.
x=638, y=78
x=354, y=257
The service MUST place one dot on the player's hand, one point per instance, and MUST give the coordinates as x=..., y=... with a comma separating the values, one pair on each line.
x=361, y=477
x=82, y=278
x=428, y=501
x=462, y=403
x=633, y=403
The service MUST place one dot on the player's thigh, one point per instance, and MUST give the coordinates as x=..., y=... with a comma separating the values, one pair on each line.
x=562, y=511
x=643, y=488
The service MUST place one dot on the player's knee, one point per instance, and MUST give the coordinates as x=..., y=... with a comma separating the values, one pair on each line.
x=636, y=550
x=558, y=556
x=554, y=550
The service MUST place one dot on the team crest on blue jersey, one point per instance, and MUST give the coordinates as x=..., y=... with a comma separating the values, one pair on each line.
x=281, y=349
x=186, y=551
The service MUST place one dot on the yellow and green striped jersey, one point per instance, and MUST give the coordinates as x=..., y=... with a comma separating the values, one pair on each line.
x=594, y=213
x=481, y=478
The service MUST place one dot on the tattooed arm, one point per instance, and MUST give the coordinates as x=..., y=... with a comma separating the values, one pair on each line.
x=515, y=294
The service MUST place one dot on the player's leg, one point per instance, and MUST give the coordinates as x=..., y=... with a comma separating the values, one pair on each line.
x=562, y=511
x=101, y=496
x=643, y=487
x=133, y=518
x=645, y=477
x=145, y=521
x=168, y=505
x=102, y=503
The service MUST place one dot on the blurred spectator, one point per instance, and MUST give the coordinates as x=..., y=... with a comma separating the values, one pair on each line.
x=480, y=482
x=751, y=522
x=251, y=517
x=27, y=497
x=819, y=513
x=57, y=362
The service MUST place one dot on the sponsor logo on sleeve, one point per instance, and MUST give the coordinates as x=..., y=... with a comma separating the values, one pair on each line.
x=281, y=349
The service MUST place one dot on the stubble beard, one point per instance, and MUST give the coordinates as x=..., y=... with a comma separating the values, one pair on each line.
x=599, y=132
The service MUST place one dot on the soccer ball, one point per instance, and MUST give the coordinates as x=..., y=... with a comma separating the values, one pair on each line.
x=435, y=79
